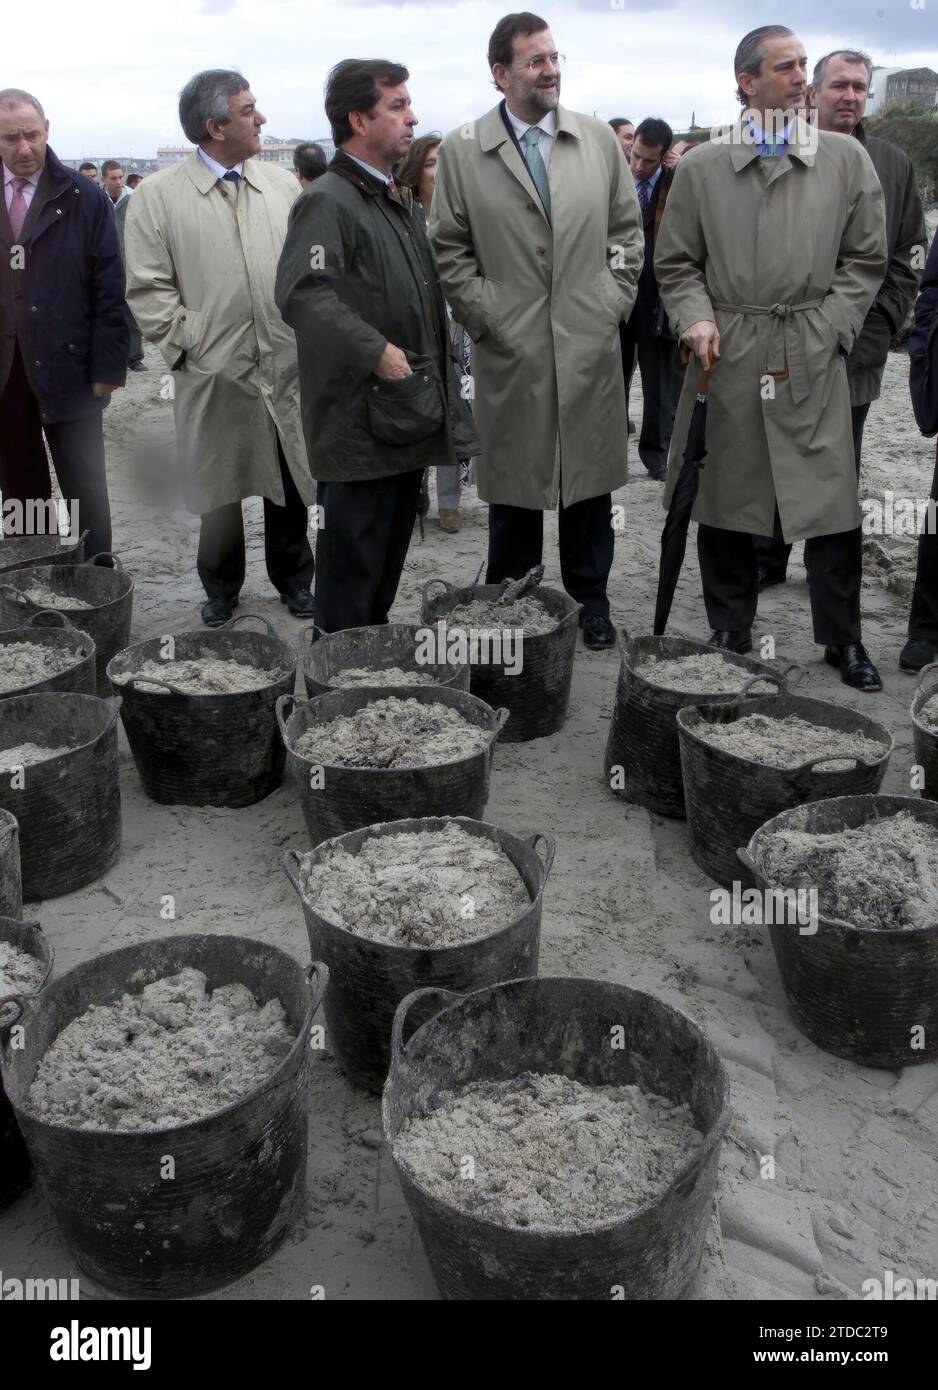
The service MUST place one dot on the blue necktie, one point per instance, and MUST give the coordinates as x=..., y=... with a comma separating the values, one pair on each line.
x=644, y=193
x=232, y=176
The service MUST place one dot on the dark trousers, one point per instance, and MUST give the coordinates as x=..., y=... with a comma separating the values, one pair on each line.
x=516, y=545
x=361, y=548
x=923, y=614
x=772, y=552
x=658, y=366
x=77, y=449
x=287, y=551
x=729, y=571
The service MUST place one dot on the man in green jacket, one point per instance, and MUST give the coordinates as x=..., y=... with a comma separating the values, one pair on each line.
x=356, y=283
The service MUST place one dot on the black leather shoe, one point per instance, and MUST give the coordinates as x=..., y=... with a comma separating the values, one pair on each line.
x=136, y=366
x=659, y=474
x=768, y=577
x=299, y=603
x=598, y=633
x=217, y=611
x=855, y=666
x=917, y=653
x=731, y=641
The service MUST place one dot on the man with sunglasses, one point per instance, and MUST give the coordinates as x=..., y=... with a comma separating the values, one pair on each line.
x=538, y=241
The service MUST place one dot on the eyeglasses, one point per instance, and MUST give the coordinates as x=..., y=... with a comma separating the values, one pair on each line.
x=540, y=60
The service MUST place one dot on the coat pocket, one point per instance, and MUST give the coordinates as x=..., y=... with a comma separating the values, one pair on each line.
x=406, y=410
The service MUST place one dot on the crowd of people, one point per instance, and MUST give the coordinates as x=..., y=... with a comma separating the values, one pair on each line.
x=484, y=297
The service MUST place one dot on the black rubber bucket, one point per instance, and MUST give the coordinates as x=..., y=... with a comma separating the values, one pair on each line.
x=15, y=1164
x=22, y=552
x=207, y=750
x=11, y=883
x=370, y=978
x=350, y=798
x=569, y=1027
x=101, y=582
x=68, y=808
x=49, y=628
x=324, y=654
x=854, y=991
x=537, y=696
x=643, y=755
x=924, y=739
x=239, y=1174
x=728, y=797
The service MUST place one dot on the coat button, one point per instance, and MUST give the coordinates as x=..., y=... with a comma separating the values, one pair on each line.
x=58, y=212
x=532, y=207
x=34, y=309
x=37, y=364
x=541, y=251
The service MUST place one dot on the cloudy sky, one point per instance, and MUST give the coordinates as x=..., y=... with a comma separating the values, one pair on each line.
x=109, y=71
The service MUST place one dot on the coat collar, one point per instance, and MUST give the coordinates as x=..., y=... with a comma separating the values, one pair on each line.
x=204, y=178
x=802, y=147
x=492, y=131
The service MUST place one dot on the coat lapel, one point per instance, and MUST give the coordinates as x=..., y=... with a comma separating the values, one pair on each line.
x=494, y=134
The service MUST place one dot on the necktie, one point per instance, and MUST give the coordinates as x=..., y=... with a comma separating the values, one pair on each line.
x=643, y=189
x=535, y=164
x=18, y=207
x=232, y=176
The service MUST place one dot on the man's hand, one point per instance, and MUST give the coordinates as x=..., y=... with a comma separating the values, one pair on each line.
x=392, y=364
x=102, y=388
x=703, y=340
x=676, y=153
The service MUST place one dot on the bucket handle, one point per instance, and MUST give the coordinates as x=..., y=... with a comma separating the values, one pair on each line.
x=550, y=849
x=50, y=617
x=291, y=866
x=282, y=716
x=502, y=715
x=155, y=680
x=310, y=634
x=758, y=680
x=794, y=675
x=249, y=617
x=105, y=560
x=812, y=764
x=400, y=1014
x=317, y=977
x=746, y=859
x=19, y=1003
x=15, y=596
x=932, y=668
x=425, y=589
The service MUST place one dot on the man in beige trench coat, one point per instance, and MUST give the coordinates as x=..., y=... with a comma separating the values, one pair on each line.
x=202, y=242
x=772, y=249
x=538, y=241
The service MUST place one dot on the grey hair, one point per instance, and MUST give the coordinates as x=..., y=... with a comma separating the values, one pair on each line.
x=852, y=55
x=751, y=51
x=205, y=97
x=15, y=96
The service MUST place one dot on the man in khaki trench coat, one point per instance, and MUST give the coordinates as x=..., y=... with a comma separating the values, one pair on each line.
x=538, y=241
x=202, y=242
x=772, y=249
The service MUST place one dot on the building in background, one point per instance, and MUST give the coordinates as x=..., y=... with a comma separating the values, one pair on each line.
x=130, y=163
x=272, y=151
x=917, y=87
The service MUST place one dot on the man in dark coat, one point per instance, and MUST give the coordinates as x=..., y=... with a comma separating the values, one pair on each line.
x=840, y=88
x=922, y=646
x=356, y=283
x=647, y=333
x=64, y=324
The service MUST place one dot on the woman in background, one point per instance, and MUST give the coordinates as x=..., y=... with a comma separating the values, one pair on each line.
x=417, y=171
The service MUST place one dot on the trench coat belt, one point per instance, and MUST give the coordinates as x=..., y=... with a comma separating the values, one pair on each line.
x=786, y=344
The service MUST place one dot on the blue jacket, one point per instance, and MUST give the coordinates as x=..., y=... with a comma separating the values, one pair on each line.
x=62, y=295
x=923, y=348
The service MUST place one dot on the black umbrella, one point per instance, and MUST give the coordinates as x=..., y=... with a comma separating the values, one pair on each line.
x=674, y=535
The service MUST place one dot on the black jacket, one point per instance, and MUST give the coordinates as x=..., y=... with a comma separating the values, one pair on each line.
x=62, y=295
x=647, y=307
x=905, y=233
x=923, y=348
x=355, y=273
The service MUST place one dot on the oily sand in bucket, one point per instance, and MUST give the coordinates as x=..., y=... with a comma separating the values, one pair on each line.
x=169, y=1055
x=354, y=676
x=202, y=675
x=880, y=875
x=24, y=753
x=701, y=673
x=427, y=888
x=788, y=742
x=40, y=593
x=20, y=973
x=25, y=663
x=486, y=615
x=393, y=733
x=548, y=1152
x=928, y=714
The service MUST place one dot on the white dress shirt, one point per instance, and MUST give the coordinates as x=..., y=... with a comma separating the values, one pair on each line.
x=28, y=191
x=547, y=126
x=369, y=168
x=217, y=169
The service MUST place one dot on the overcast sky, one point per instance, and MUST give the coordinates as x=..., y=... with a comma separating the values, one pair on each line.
x=109, y=71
